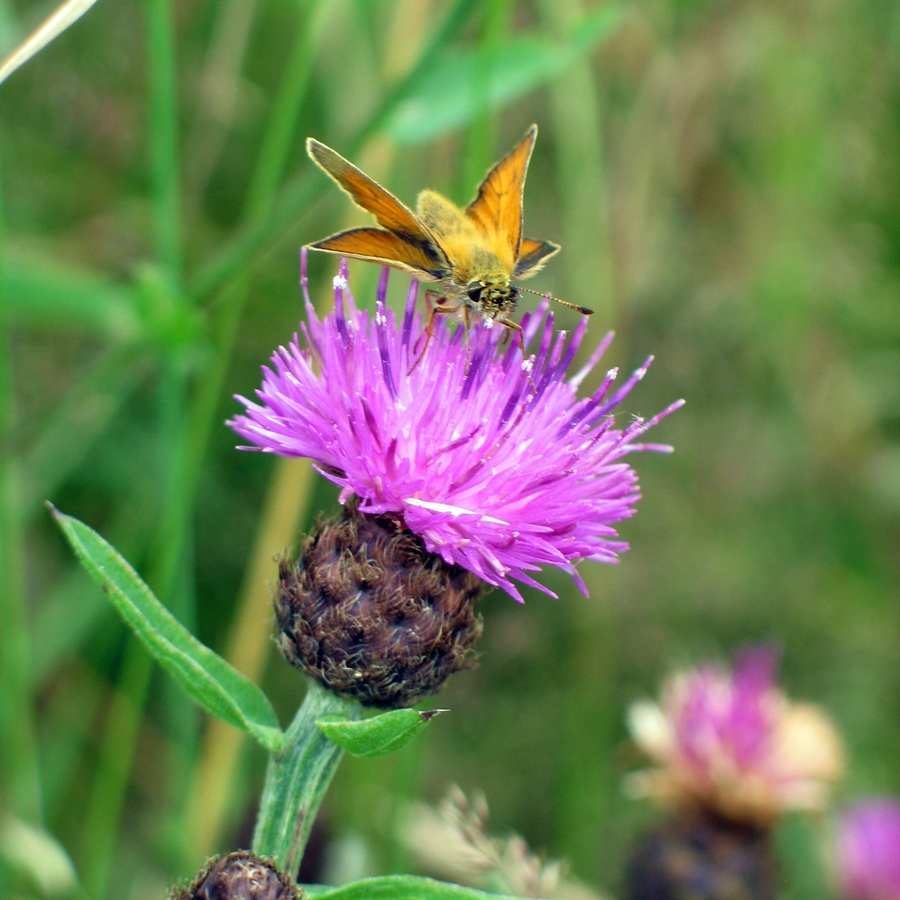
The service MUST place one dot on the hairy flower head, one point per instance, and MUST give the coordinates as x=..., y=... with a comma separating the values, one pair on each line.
x=488, y=456
x=731, y=742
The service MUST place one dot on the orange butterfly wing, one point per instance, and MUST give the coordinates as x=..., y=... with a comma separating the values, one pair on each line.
x=497, y=210
x=389, y=212
x=374, y=245
x=532, y=255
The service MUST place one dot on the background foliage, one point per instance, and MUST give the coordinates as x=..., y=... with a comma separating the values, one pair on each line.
x=723, y=178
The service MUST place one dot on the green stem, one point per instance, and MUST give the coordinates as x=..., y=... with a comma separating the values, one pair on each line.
x=164, y=164
x=297, y=779
x=282, y=123
x=20, y=779
x=120, y=737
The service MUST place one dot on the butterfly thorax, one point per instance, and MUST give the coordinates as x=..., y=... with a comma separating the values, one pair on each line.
x=481, y=263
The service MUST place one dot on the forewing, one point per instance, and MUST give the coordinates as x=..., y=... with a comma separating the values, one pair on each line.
x=389, y=212
x=532, y=256
x=419, y=257
x=497, y=209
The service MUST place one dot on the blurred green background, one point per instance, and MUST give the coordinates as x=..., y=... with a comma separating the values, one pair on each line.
x=723, y=176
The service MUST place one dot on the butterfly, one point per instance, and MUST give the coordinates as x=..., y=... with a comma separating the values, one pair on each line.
x=472, y=253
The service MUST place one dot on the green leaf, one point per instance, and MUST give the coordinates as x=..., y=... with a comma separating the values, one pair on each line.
x=400, y=887
x=378, y=735
x=463, y=83
x=214, y=683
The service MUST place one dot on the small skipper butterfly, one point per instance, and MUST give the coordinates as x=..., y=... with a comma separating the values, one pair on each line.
x=473, y=253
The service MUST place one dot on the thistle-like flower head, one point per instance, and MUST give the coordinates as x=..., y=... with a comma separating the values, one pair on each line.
x=488, y=456
x=868, y=851
x=732, y=743
x=240, y=875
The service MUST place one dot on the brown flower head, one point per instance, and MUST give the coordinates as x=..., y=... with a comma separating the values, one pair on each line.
x=372, y=615
x=240, y=875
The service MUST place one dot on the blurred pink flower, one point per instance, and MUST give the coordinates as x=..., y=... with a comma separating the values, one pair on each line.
x=732, y=743
x=490, y=457
x=868, y=851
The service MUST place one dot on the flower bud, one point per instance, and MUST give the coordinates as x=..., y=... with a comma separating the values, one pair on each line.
x=239, y=876
x=701, y=856
x=372, y=615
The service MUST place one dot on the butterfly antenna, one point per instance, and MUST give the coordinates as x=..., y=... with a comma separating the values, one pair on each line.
x=585, y=311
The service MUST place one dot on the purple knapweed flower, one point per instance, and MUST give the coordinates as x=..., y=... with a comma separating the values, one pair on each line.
x=490, y=458
x=868, y=851
x=734, y=744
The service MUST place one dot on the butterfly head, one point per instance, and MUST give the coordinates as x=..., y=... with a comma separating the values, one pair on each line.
x=494, y=299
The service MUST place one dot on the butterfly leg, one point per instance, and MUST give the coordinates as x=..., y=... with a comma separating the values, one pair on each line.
x=467, y=324
x=520, y=337
x=509, y=325
x=434, y=307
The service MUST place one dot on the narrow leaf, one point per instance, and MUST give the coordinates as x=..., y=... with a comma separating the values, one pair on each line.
x=462, y=84
x=214, y=683
x=378, y=735
x=40, y=291
x=400, y=887
x=38, y=855
x=55, y=24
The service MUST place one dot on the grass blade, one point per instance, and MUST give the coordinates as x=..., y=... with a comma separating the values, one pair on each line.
x=54, y=25
x=43, y=292
x=462, y=84
x=116, y=755
x=582, y=176
x=39, y=856
x=89, y=407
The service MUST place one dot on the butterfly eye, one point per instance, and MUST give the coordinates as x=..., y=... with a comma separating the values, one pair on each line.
x=475, y=290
